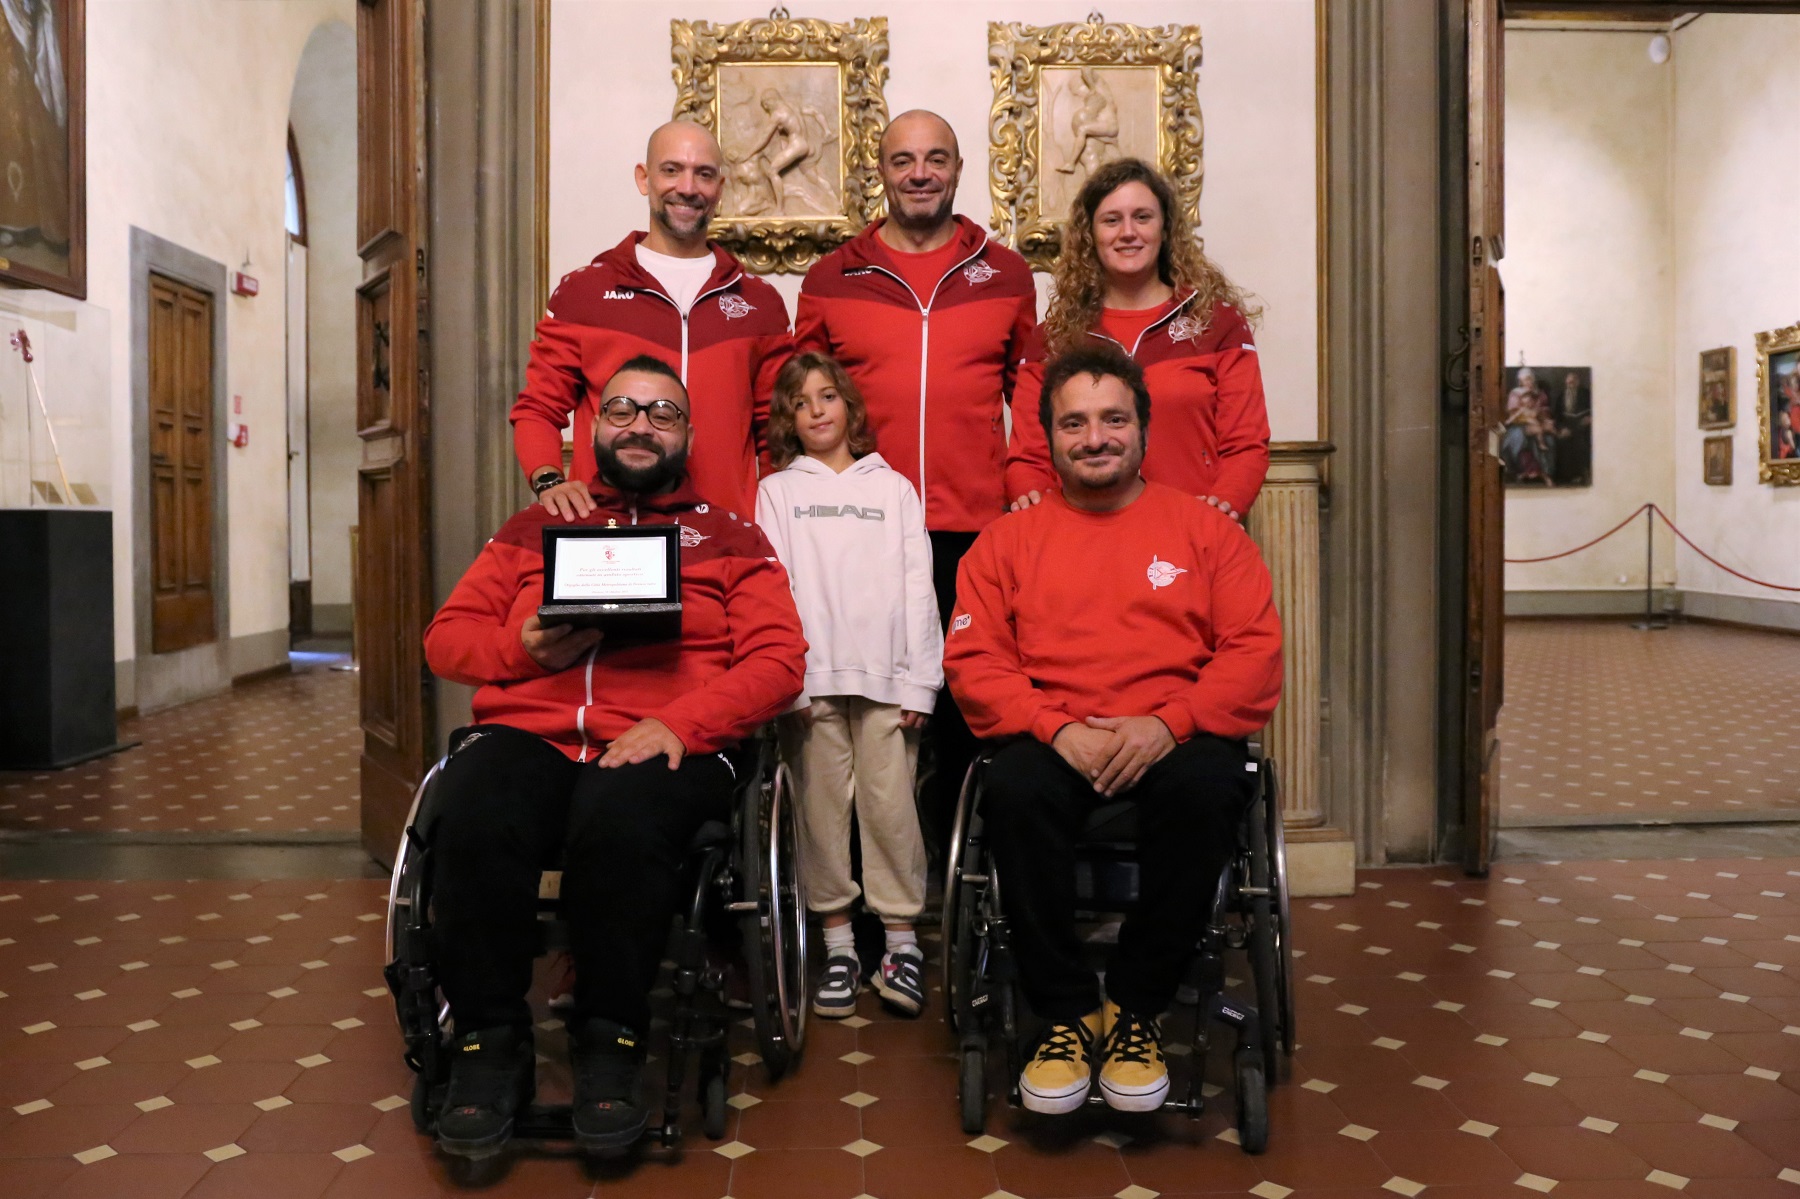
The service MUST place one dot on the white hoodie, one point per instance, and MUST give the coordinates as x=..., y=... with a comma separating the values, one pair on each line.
x=854, y=545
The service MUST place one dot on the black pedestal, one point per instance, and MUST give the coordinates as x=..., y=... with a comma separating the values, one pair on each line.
x=56, y=637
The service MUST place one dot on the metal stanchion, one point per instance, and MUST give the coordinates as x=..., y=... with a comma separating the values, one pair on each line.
x=1650, y=620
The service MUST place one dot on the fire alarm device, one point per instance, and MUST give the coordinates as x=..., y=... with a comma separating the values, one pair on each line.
x=240, y=435
x=244, y=285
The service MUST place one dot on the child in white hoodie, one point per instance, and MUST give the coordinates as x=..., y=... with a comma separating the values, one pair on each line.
x=851, y=532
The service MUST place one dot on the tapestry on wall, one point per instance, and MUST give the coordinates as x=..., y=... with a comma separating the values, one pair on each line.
x=1548, y=436
x=43, y=194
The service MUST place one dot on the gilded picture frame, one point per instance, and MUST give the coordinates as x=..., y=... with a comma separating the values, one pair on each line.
x=43, y=147
x=1778, y=406
x=798, y=107
x=1070, y=97
x=1715, y=460
x=1718, y=388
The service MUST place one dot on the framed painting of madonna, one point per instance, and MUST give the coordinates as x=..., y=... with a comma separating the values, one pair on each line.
x=43, y=192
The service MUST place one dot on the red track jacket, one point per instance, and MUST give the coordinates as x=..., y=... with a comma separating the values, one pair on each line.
x=739, y=662
x=728, y=350
x=1209, y=423
x=1163, y=608
x=935, y=370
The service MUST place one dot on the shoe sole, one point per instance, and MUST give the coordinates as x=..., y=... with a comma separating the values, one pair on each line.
x=898, y=1001
x=479, y=1148
x=1135, y=1101
x=611, y=1144
x=1052, y=1104
x=832, y=1011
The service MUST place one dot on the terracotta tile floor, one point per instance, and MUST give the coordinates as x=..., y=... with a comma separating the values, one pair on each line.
x=1585, y=1029
x=1604, y=723
x=276, y=756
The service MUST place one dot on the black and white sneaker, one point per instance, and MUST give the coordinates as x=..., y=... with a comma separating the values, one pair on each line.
x=836, y=996
x=900, y=980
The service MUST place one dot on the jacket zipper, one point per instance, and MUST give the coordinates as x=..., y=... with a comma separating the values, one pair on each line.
x=1158, y=323
x=925, y=344
x=662, y=295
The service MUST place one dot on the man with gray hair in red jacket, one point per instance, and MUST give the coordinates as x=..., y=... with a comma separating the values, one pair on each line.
x=615, y=752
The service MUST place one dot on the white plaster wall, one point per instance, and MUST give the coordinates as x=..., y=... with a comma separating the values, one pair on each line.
x=324, y=119
x=611, y=83
x=187, y=112
x=1737, y=262
x=1589, y=282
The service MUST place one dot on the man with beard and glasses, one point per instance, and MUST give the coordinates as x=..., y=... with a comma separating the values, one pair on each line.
x=612, y=751
x=1123, y=633
x=930, y=317
x=667, y=292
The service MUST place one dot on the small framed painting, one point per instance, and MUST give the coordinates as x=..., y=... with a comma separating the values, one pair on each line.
x=1716, y=461
x=1718, y=388
x=1778, y=406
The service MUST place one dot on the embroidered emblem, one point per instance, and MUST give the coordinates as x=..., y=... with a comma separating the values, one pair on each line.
x=979, y=272
x=700, y=508
x=690, y=537
x=962, y=622
x=620, y=293
x=1161, y=573
x=1185, y=328
x=735, y=306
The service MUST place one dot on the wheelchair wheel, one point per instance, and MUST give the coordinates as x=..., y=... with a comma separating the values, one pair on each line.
x=403, y=883
x=1284, y=956
x=1252, y=1101
x=426, y=1100
x=971, y=1086
x=774, y=924
x=1262, y=947
x=959, y=901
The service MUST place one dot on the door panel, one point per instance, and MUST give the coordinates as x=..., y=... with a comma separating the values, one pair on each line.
x=1486, y=497
x=393, y=575
x=181, y=466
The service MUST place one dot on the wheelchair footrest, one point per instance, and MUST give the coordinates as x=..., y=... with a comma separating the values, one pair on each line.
x=553, y=1122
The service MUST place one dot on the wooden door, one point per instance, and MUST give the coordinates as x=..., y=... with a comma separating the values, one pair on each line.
x=393, y=576
x=1486, y=499
x=181, y=466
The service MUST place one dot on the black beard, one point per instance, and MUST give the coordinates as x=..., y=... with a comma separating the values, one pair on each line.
x=661, y=216
x=641, y=480
x=935, y=218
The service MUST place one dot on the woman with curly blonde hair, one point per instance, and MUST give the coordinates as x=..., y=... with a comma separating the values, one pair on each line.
x=1132, y=272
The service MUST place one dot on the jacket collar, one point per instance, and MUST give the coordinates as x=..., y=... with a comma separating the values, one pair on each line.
x=609, y=499
x=866, y=249
x=622, y=260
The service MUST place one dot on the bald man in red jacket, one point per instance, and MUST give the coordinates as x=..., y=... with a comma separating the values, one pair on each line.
x=617, y=753
x=1124, y=634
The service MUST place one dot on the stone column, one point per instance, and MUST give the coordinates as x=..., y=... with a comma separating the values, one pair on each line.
x=1285, y=526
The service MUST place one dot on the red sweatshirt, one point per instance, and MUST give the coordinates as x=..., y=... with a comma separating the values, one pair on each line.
x=1209, y=423
x=1162, y=608
x=739, y=661
x=935, y=369
x=727, y=348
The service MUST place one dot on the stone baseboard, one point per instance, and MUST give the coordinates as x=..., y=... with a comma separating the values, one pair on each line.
x=1322, y=866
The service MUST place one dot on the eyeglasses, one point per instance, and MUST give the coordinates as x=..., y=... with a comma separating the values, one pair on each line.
x=623, y=411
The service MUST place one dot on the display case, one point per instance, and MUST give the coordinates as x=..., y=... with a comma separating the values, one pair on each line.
x=55, y=402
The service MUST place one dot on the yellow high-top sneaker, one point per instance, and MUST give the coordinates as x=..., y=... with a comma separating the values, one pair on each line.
x=1133, y=1075
x=1060, y=1074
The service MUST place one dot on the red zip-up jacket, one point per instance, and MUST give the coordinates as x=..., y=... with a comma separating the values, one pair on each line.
x=1209, y=422
x=728, y=349
x=739, y=662
x=934, y=370
x=1163, y=608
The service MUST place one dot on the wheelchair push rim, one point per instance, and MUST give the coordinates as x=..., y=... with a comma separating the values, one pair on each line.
x=773, y=907
x=1278, y=881
x=954, y=934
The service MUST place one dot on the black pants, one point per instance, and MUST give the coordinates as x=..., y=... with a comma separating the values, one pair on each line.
x=951, y=745
x=510, y=800
x=1188, y=807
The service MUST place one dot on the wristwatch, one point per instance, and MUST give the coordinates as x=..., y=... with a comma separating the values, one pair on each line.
x=547, y=480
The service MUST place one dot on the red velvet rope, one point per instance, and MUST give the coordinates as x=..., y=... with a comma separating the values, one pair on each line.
x=1685, y=540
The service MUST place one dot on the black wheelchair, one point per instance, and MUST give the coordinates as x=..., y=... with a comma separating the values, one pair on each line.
x=745, y=874
x=1249, y=915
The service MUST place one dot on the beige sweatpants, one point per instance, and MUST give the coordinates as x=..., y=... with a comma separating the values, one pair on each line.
x=857, y=754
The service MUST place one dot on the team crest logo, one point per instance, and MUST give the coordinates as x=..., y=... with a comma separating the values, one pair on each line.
x=979, y=272
x=1185, y=328
x=690, y=538
x=1161, y=573
x=735, y=306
